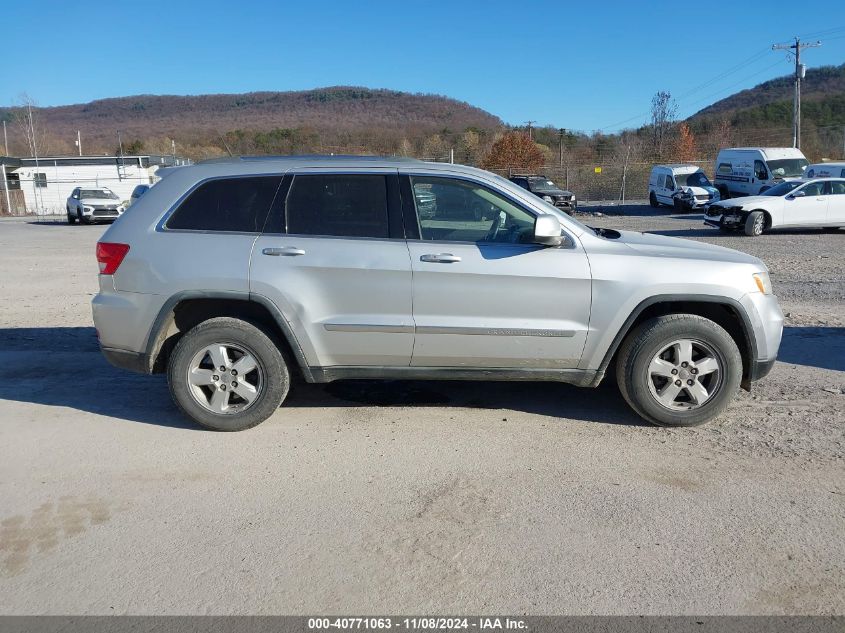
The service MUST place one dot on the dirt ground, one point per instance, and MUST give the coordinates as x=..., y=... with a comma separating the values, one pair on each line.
x=415, y=497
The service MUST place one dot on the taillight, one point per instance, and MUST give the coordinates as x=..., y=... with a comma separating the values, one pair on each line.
x=109, y=256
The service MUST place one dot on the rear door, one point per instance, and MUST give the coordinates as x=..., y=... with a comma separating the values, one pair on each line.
x=333, y=258
x=484, y=295
x=836, y=203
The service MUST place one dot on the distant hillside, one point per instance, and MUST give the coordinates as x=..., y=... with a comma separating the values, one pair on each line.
x=312, y=120
x=765, y=111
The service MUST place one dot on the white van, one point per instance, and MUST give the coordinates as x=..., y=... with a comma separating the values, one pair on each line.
x=749, y=171
x=684, y=187
x=826, y=170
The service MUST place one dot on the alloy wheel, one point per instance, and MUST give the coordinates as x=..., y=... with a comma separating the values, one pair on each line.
x=225, y=378
x=684, y=375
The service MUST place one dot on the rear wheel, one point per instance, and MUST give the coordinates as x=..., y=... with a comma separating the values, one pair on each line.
x=755, y=223
x=652, y=200
x=227, y=375
x=679, y=370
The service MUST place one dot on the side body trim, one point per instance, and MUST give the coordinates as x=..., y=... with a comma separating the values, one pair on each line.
x=492, y=331
x=578, y=377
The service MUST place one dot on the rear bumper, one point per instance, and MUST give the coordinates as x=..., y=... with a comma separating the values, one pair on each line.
x=123, y=359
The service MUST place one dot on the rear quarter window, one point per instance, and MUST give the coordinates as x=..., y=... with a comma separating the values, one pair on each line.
x=227, y=204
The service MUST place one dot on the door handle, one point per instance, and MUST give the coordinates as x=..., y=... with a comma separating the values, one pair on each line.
x=287, y=251
x=440, y=258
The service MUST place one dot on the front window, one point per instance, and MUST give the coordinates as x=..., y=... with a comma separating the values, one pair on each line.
x=100, y=194
x=696, y=179
x=782, y=189
x=788, y=167
x=541, y=184
x=452, y=210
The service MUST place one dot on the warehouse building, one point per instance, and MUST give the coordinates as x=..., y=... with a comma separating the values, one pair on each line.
x=41, y=186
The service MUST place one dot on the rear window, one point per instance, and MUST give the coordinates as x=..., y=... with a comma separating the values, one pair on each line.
x=342, y=205
x=227, y=204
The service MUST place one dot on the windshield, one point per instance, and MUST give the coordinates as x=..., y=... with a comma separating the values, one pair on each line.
x=103, y=194
x=695, y=179
x=788, y=167
x=541, y=183
x=782, y=189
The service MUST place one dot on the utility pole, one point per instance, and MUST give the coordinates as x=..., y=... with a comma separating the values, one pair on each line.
x=795, y=49
x=79, y=142
x=5, y=140
x=530, y=129
x=561, y=133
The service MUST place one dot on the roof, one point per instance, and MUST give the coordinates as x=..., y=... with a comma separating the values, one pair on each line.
x=680, y=166
x=256, y=165
x=341, y=159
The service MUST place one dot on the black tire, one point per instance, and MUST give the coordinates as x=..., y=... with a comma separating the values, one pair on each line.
x=82, y=218
x=755, y=223
x=275, y=380
x=724, y=193
x=652, y=200
x=678, y=205
x=645, y=341
x=71, y=219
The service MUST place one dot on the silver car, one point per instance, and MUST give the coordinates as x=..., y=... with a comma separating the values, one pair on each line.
x=235, y=274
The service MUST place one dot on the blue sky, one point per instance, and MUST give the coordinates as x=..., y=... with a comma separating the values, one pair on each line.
x=579, y=65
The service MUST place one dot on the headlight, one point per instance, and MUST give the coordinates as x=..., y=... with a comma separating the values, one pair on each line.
x=85, y=208
x=764, y=284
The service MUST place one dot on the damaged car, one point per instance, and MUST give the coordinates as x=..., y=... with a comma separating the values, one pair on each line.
x=794, y=203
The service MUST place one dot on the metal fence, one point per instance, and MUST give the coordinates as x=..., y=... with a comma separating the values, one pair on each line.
x=596, y=181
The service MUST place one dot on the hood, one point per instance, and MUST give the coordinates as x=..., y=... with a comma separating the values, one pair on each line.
x=551, y=191
x=701, y=191
x=741, y=202
x=100, y=202
x=674, y=247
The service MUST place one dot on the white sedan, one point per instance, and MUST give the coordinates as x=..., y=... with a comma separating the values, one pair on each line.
x=817, y=202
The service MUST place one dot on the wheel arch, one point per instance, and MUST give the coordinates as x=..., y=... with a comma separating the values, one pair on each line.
x=724, y=311
x=187, y=309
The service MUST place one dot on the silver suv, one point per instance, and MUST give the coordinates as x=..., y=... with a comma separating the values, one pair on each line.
x=235, y=275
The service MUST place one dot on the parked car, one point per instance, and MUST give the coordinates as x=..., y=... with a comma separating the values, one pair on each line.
x=137, y=192
x=826, y=170
x=685, y=187
x=749, y=171
x=546, y=189
x=240, y=273
x=93, y=204
x=817, y=202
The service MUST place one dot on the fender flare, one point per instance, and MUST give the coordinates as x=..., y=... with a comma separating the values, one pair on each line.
x=161, y=324
x=736, y=306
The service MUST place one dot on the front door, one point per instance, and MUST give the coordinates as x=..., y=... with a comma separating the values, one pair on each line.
x=483, y=294
x=808, y=209
x=336, y=263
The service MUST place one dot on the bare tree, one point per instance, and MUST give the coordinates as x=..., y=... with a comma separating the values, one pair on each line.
x=663, y=113
x=25, y=116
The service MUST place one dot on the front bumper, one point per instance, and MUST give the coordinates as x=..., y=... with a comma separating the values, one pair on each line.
x=766, y=320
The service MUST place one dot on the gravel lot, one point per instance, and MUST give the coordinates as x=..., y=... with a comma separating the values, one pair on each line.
x=415, y=497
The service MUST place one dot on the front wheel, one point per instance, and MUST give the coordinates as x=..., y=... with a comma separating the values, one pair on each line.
x=71, y=219
x=227, y=375
x=679, y=370
x=755, y=223
x=652, y=200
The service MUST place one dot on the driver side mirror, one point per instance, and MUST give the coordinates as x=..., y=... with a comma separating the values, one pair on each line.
x=547, y=231
x=798, y=194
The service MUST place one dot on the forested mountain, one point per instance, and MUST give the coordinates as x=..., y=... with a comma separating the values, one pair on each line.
x=335, y=119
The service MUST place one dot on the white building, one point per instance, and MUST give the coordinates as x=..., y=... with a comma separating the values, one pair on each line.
x=42, y=185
